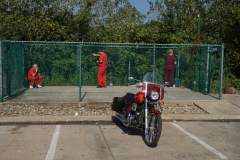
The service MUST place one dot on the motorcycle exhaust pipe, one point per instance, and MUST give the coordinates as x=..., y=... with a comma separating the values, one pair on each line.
x=124, y=121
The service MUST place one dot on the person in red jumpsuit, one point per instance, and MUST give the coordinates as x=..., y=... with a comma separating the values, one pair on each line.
x=34, y=75
x=102, y=68
x=170, y=62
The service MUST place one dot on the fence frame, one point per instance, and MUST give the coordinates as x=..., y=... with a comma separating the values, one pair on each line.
x=80, y=46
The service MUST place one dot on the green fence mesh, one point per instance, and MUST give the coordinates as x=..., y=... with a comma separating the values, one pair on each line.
x=70, y=70
x=13, y=68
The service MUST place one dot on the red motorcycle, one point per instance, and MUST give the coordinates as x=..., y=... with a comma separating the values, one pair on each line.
x=143, y=109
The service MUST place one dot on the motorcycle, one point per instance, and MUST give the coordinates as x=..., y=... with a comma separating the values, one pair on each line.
x=143, y=109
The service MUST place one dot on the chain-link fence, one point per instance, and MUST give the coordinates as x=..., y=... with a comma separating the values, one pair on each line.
x=69, y=70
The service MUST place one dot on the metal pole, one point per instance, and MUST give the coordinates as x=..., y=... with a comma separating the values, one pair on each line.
x=197, y=80
x=8, y=69
x=198, y=42
x=79, y=50
x=210, y=69
x=129, y=64
x=1, y=80
x=178, y=62
x=23, y=72
x=221, y=73
x=196, y=73
x=154, y=62
x=207, y=71
x=198, y=36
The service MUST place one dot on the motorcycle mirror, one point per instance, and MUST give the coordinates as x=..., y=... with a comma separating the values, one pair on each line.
x=130, y=78
x=138, y=85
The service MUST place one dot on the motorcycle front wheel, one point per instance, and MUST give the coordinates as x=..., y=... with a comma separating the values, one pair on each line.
x=153, y=133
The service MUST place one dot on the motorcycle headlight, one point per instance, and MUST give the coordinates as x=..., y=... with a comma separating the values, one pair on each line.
x=154, y=95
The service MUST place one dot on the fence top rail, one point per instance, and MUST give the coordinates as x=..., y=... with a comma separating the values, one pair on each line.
x=109, y=43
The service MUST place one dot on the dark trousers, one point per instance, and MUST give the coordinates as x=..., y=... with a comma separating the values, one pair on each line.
x=169, y=74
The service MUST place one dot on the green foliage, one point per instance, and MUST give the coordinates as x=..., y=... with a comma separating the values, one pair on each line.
x=231, y=82
x=168, y=21
x=57, y=62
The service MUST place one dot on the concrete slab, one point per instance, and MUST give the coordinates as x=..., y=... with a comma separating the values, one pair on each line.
x=222, y=107
x=25, y=142
x=232, y=98
x=82, y=142
x=63, y=94
x=222, y=136
x=48, y=94
x=126, y=143
x=97, y=142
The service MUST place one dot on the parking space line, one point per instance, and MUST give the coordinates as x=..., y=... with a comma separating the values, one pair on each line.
x=210, y=148
x=53, y=145
x=101, y=131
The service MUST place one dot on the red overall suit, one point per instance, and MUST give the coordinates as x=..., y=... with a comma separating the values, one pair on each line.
x=169, y=69
x=32, y=79
x=102, y=69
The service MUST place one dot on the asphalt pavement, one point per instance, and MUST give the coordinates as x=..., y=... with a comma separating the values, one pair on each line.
x=227, y=109
x=196, y=140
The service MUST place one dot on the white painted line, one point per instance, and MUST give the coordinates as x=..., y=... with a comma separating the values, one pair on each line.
x=53, y=145
x=201, y=142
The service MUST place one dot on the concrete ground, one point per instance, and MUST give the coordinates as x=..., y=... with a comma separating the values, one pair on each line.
x=50, y=94
x=185, y=136
x=179, y=140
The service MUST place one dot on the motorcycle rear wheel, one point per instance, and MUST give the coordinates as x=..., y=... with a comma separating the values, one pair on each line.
x=152, y=134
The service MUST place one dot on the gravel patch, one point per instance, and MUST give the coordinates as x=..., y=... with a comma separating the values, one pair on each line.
x=22, y=110
x=176, y=109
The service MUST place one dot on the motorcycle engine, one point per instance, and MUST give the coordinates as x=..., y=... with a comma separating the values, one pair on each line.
x=133, y=116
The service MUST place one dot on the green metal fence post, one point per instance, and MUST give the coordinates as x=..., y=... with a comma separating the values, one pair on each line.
x=8, y=70
x=196, y=82
x=196, y=74
x=210, y=71
x=176, y=79
x=178, y=60
x=154, y=65
x=207, y=71
x=221, y=73
x=23, y=73
x=1, y=75
x=129, y=64
x=199, y=20
x=79, y=51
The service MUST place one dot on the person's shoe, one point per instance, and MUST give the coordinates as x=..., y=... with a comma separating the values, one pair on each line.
x=98, y=86
x=39, y=86
x=31, y=87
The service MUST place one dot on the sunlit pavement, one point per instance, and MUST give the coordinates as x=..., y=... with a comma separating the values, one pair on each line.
x=93, y=141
